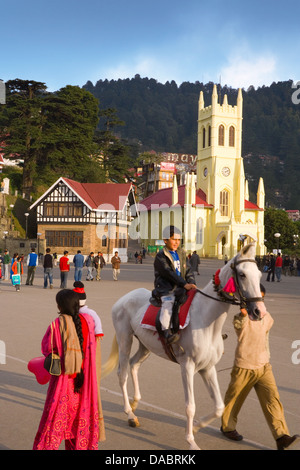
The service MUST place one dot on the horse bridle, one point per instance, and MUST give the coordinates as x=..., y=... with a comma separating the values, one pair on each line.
x=244, y=301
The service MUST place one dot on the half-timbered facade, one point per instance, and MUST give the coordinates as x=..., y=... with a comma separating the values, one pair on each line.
x=86, y=216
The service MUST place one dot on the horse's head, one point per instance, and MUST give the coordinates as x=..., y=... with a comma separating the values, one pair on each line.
x=247, y=279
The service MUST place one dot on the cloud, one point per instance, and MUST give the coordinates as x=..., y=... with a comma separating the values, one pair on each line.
x=242, y=72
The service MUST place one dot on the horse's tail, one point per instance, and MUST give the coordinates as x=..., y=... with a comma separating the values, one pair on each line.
x=112, y=361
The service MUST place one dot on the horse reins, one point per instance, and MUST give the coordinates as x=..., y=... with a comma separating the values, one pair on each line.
x=243, y=300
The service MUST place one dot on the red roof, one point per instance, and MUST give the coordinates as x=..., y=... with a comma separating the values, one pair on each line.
x=110, y=196
x=101, y=196
x=164, y=196
x=251, y=206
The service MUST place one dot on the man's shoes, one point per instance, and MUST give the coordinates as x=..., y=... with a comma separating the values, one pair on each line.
x=233, y=435
x=170, y=337
x=286, y=442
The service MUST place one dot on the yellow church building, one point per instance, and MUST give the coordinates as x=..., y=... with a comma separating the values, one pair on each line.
x=212, y=208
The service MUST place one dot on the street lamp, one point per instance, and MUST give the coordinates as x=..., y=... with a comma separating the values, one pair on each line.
x=5, y=237
x=26, y=226
x=11, y=214
x=277, y=235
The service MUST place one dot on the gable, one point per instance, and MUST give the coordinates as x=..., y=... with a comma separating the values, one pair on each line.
x=95, y=196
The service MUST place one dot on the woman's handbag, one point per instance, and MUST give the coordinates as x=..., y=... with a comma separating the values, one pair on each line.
x=52, y=362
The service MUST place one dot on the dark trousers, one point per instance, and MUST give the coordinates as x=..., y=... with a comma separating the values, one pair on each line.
x=30, y=275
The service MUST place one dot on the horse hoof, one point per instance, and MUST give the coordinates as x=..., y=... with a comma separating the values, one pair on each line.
x=134, y=423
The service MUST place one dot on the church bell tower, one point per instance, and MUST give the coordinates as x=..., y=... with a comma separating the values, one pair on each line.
x=219, y=163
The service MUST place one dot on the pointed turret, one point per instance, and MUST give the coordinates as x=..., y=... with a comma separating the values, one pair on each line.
x=214, y=98
x=174, y=191
x=246, y=190
x=201, y=101
x=193, y=190
x=240, y=103
x=261, y=194
x=187, y=189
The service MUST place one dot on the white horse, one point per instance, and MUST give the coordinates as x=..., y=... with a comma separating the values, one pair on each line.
x=200, y=346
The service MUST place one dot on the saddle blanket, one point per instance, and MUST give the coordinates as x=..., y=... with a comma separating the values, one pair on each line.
x=148, y=320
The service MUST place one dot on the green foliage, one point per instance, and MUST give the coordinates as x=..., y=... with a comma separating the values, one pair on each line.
x=52, y=133
x=277, y=221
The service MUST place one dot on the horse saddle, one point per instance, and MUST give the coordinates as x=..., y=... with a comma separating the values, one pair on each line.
x=180, y=312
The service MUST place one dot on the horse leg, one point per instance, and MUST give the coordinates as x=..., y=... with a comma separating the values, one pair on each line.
x=211, y=381
x=135, y=362
x=187, y=373
x=124, y=351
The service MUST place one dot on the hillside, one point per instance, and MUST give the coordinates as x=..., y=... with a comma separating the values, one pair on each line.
x=163, y=117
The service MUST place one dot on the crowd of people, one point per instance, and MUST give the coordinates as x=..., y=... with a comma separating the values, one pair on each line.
x=12, y=268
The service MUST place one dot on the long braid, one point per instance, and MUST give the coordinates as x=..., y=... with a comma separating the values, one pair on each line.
x=68, y=301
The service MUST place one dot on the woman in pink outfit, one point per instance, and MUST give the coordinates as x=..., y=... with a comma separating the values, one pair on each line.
x=71, y=411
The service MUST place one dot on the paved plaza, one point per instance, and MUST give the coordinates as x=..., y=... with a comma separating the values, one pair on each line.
x=25, y=315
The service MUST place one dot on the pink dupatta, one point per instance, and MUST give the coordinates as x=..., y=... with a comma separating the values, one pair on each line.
x=68, y=415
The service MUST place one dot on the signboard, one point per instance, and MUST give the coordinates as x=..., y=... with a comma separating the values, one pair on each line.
x=167, y=166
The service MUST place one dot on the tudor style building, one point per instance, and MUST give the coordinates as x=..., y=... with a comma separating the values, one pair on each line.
x=85, y=216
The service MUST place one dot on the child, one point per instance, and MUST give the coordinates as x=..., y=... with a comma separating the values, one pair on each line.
x=17, y=268
x=172, y=277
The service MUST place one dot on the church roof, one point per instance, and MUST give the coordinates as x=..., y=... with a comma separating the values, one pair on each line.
x=250, y=206
x=164, y=196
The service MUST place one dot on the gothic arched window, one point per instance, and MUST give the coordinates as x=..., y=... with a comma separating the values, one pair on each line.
x=221, y=134
x=203, y=139
x=209, y=136
x=224, y=203
x=231, y=136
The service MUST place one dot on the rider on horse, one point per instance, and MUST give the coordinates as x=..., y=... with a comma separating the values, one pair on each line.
x=173, y=277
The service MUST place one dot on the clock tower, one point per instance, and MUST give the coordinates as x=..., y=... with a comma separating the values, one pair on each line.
x=220, y=172
x=219, y=161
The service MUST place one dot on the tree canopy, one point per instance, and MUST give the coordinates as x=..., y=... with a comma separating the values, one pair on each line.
x=52, y=132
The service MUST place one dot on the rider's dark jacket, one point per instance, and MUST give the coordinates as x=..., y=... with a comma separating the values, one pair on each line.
x=166, y=280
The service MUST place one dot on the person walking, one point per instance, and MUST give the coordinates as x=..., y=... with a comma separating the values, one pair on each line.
x=89, y=262
x=116, y=261
x=32, y=263
x=271, y=268
x=71, y=411
x=252, y=369
x=48, y=269
x=6, y=263
x=194, y=262
x=64, y=266
x=99, y=263
x=16, y=272
x=78, y=261
x=278, y=267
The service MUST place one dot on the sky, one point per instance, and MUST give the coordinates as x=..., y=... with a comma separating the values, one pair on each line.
x=70, y=42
